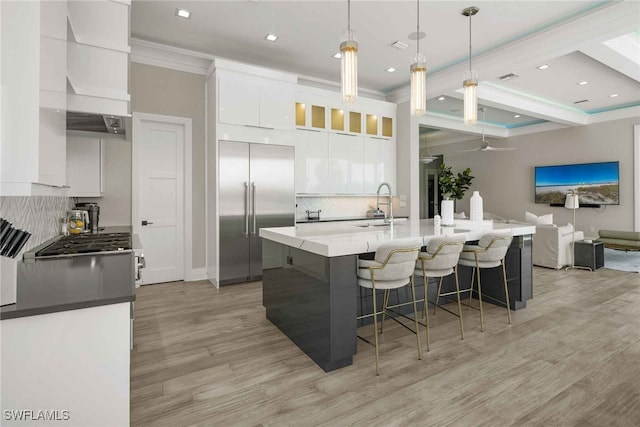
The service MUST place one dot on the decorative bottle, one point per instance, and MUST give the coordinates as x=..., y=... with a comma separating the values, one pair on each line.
x=475, y=208
x=437, y=221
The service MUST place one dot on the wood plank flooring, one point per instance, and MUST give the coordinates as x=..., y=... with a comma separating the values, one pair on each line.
x=205, y=357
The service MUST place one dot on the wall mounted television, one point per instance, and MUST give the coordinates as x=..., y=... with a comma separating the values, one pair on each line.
x=595, y=183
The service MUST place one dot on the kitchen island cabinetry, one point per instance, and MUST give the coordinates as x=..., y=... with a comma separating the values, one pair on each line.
x=310, y=288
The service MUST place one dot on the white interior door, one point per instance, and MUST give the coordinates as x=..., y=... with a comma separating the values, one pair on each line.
x=158, y=197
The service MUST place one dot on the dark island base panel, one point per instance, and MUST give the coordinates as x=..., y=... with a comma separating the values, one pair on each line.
x=314, y=300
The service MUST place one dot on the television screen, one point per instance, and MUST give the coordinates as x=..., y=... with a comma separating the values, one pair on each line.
x=595, y=183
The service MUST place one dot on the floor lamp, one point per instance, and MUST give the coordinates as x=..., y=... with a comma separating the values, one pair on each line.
x=573, y=202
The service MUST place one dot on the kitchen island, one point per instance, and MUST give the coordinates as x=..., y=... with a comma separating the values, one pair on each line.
x=310, y=289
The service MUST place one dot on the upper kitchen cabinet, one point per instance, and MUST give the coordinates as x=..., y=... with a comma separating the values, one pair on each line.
x=312, y=162
x=33, y=56
x=346, y=164
x=254, y=100
x=98, y=57
x=379, y=163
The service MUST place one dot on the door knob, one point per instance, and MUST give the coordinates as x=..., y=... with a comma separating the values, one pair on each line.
x=146, y=223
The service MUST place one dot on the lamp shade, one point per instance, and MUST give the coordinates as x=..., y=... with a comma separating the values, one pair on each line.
x=349, y=51
x=572, y=201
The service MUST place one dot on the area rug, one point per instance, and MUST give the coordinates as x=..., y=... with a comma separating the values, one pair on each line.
x=621, y=260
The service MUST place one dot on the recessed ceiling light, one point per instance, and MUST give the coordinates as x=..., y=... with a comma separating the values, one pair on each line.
x=441, y=98
x=271, y=37
x=613, y=95
x=183, y=13
x=390, y=70
x=337, y=55
x=399, y=44
x=516, y=115
x=584, y=82
x=542, y=67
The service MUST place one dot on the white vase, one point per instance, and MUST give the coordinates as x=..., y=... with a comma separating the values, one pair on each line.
x=475, y=208
x=447, y=213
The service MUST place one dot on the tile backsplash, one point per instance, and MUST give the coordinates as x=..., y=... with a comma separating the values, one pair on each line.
x=39, y=215
x=342, y=206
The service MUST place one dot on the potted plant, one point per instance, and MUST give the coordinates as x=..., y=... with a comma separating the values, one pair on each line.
x=452, y=186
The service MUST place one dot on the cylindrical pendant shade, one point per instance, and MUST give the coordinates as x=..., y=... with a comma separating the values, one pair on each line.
x=470, y=91
x=349, y=51
x=418, y=88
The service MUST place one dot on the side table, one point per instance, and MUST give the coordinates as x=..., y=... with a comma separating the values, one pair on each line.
x=589, y=254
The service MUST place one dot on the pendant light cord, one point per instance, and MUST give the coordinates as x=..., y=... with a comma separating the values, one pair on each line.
x=418, y=28
x=349, y=19
x=470, y=42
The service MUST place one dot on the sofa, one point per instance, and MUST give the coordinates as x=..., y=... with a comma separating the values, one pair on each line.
x=627, y=240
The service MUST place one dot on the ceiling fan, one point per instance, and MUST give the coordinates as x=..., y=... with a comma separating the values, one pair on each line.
x=484, y=146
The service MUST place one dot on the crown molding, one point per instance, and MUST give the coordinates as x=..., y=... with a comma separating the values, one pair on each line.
x=165, y=56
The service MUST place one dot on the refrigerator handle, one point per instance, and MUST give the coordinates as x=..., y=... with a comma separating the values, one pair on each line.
x=253, y=206
x=246, y=209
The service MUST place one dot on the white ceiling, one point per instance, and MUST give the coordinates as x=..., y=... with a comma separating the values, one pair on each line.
x=596, y=41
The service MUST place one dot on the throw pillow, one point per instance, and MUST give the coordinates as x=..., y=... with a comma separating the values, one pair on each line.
x=538, y=220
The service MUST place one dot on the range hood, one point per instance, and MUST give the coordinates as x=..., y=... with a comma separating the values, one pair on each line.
x=96, y=123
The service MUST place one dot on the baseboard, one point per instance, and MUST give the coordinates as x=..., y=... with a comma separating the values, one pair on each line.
x=196, y=274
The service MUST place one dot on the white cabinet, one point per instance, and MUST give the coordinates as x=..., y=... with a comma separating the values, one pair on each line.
x=98, y=57
x=345, y=164
x=379, y=163
x=239, y=101
x=85, y=167
x=252, y=101
x=33, y=92
x=312, y=162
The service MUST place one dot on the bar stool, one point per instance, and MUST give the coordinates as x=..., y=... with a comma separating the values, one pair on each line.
x=391, y=268
x=438, y=261
x=490, y=252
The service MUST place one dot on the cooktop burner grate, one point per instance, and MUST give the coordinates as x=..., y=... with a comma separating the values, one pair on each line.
x=87, y=244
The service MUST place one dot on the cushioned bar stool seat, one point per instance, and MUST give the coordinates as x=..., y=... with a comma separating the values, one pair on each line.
x=490, y=252
x=391, y=268
x=439, y=260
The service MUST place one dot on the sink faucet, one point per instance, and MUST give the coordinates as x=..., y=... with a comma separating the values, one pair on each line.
x=389, y=217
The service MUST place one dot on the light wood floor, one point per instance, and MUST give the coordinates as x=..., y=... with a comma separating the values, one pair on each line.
x=209, y=357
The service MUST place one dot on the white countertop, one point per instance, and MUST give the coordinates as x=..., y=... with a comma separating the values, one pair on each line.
x=350, y=238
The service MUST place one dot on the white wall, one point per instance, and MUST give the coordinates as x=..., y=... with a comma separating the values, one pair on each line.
x=506, y=179
x=407, y=167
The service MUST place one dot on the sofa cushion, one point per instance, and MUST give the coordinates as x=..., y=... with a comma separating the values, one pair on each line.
x=622, y=235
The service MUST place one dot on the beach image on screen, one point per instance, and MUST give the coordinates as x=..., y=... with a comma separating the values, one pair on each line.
x=595, y=183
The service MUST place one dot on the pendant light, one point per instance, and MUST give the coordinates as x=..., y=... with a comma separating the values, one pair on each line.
x=470, y=84
x=418, y=75
x=349, y=49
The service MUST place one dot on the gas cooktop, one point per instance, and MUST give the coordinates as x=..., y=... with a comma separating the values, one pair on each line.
x=86, y=244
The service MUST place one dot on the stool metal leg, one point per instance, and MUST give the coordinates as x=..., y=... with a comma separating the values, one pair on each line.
x=473, y=279
x=375, y=321
x=426, y=306
x=506, y=290
x=415, y=317
x=455, y=271
x=480, y=295
x=438, y=296
x=385, y=302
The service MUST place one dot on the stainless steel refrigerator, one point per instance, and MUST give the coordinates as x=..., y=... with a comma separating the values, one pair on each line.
x=256, y=190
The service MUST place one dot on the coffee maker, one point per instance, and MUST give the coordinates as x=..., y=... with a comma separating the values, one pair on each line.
x=94, y=214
